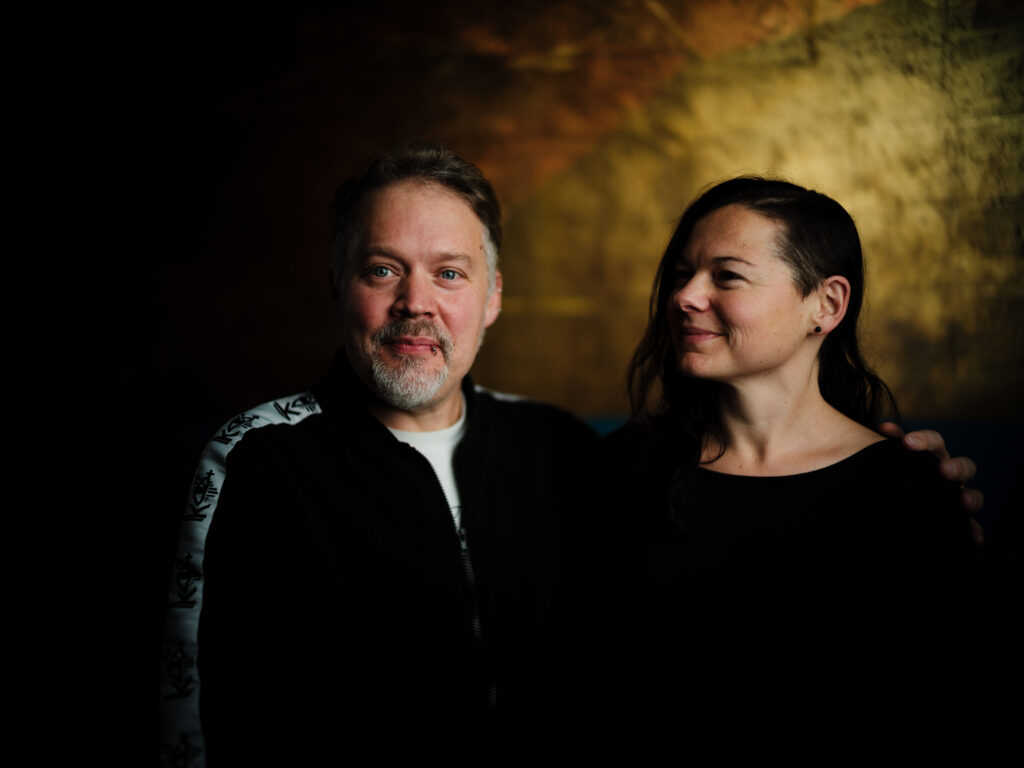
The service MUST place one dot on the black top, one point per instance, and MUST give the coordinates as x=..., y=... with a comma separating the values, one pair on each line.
x=818, y=587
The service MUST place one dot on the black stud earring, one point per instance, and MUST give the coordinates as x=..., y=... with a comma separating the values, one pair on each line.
x=817, y=329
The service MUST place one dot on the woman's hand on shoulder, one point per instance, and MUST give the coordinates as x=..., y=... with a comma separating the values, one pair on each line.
x=959, y=470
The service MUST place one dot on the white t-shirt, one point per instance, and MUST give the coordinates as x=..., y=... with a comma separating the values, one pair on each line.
x=439, y=448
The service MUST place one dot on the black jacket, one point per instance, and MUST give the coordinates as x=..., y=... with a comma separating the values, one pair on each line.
x=339, y=603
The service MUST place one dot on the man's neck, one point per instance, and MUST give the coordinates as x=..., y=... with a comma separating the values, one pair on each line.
x=429, y=419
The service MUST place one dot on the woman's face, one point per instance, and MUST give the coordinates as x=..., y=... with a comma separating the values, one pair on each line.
x=735, y=312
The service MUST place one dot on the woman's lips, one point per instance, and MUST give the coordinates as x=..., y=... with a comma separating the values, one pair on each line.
x=692, y=335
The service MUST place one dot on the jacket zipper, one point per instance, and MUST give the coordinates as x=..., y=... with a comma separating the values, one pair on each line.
x=478, y=635
x=470, y=577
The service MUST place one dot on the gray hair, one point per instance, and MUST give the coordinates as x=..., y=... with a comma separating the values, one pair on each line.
x=430, y=164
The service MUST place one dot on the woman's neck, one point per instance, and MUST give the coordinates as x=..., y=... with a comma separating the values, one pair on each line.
x=782, y=426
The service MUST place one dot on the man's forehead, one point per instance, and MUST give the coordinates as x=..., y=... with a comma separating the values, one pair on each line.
x=415, y=192
x=421, y=212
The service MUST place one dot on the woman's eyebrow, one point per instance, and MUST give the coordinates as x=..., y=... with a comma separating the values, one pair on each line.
x=720, y=259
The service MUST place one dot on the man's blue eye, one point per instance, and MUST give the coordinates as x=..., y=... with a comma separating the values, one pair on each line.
x=380, y=271
x=449, y=274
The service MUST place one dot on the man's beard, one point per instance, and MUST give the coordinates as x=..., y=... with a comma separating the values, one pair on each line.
x=414, y=382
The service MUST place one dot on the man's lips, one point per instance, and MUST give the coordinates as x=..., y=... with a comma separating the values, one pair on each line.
x=413, y=340
x=411, y=345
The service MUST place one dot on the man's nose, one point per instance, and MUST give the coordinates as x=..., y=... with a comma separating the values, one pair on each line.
x=415, y=296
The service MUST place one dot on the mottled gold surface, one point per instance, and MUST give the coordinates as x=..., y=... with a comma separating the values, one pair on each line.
x=222, y=135
x=910, y=114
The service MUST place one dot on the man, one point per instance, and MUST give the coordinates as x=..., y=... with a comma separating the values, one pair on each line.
x=353, y=586
x=378, y=561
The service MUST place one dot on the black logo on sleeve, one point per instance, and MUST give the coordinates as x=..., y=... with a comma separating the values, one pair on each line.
x=203, y=494
x=236, y=427
x=291, y=408
x=186, y=574
x=178, y=665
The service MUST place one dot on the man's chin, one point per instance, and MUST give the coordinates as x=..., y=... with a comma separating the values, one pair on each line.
x=407, y=386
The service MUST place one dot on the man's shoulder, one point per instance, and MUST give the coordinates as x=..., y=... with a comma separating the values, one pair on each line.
x=256, y=423
x=518, y=412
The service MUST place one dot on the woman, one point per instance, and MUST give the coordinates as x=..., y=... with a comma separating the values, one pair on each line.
x=772, y=541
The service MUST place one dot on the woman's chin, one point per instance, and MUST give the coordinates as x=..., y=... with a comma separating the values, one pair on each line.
x=696, y=366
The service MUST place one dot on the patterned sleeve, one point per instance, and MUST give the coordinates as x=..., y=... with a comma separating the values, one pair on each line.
x=181, y=735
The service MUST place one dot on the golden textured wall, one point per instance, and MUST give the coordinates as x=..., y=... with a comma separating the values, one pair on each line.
x=218, y=135
x=910, y=114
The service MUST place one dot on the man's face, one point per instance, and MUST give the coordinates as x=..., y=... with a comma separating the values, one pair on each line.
x=415, y=299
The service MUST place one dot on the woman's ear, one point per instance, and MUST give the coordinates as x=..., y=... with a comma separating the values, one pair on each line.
x=833, y=299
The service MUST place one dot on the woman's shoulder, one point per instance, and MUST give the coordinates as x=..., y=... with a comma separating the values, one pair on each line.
x=865, y=453
x=885, y=461
x=890, y=457
x=842, y=438
x=906, y=484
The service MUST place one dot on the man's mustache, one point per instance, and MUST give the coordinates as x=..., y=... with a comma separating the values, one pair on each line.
x=396, y=329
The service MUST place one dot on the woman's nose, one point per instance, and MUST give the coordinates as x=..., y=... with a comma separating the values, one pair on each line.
x=692, y=296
